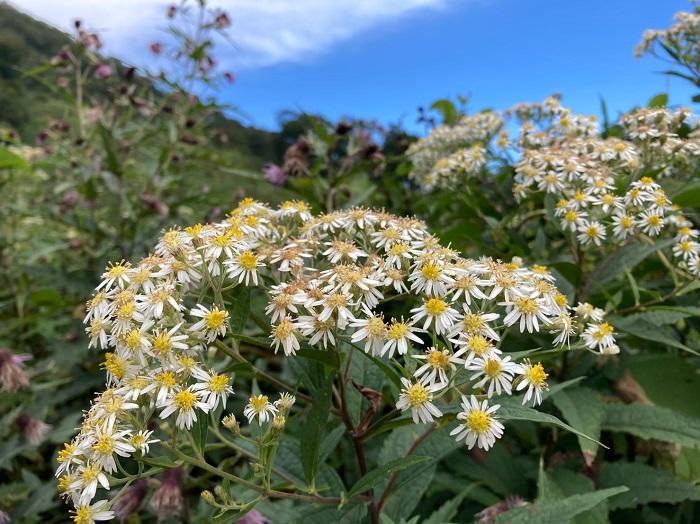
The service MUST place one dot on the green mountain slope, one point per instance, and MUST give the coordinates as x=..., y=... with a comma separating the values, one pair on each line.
x=27, y=105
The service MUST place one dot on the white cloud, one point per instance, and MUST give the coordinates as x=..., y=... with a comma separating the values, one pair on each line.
x=264, y=32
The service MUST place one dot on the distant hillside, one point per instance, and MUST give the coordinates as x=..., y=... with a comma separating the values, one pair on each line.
x=26, y=105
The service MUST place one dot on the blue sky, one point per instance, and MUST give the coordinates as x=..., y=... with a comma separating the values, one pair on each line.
x=383, y=58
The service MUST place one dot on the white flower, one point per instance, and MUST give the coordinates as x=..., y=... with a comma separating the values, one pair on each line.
x=214, y=386
x=431, y=278
x=213, y=323
x=494, y=371
x=259, y=406
x=437, y=363
x=318, y=330
x=398, y=334
x=372, y=330
x=285, y=334
x=474, y=346
x=529, y=310
x=533, y=378
x=105, y=443
x=438, y=312
x=244, y=266
x=88, y=514
x=417, y=397
x=476, y=324
x=479, y=426
x=599, y=336
x=591, y=231
x=141, y=441
x=651, y=222
x=184, y=401
x=87, y=478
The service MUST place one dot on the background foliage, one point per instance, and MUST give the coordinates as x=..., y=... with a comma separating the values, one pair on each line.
x=77, y=192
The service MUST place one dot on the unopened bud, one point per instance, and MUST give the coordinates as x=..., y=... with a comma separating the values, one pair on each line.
x=208, y=497
x=278, y=425
x=230, y=422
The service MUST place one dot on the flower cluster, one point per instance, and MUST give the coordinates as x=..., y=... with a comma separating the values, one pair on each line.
x=451, y=151
x=328, y=280
x=601, y=185
x=681, y=36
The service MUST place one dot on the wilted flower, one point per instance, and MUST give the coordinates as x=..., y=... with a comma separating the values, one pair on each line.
x=12, y=375
x=168, y=499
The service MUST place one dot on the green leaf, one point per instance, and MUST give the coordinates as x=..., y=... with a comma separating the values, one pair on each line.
x=378, y=474
x=668, y=381
x=646, y=484
x=447, y=109
x=240, y=305
x=200, y=428
x=662, y=315
x=652, y=422
x=582, y=408
x=9, y=160
x=688, y=196
x=329, y=358
x=558, y=511
x=314, y=429
x=660, y=100
x=644, y=329
x=510, y=410
x=625, y=258
x=448, y=510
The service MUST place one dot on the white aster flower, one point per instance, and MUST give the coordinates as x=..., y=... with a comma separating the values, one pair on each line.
x=480, y=426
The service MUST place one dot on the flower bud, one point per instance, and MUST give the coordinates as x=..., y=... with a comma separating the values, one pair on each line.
x=230, y=422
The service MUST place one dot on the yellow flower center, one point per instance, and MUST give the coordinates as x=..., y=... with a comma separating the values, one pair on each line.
x=430, y=271
x=133, y=339
x=536, y=375
x=166, y=379
x=417, y=395
x=83, y=515
x=654, y=220
x=284, y=329
x=126, y=311
x=162, y=343
x=473, y=323
x=336, y=300
x=248, y=260
x=90, y=473
x=478, y=421
x=435, y=306
x=66, y=452
x=492, y=368
x=185, y=400
x=138, y=440
x=527, y=305
x=115, y=365
x=376, y=327
x=571, y=216
x=218, y=383
x=104, y=445
x=397, y=330
x=439, y=359
x=215, y=319
x=478, y=345
x=258, y=402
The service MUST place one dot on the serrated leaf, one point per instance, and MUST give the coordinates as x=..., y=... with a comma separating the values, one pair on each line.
x=582, y=408
x=558, y=511
x=376, y=475
x=652, y=422
x=646, y=484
